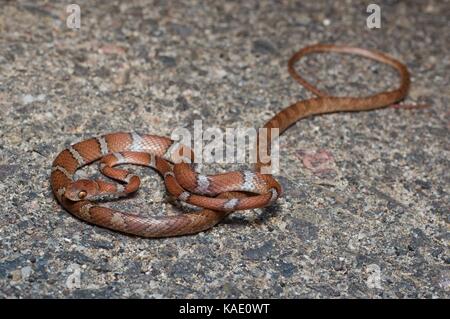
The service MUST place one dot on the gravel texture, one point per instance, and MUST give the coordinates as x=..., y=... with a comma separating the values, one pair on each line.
x=365, y=213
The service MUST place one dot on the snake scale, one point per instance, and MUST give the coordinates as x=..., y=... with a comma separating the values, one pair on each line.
x=218, y=195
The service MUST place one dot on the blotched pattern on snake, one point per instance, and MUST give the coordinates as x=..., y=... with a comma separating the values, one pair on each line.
x=218, y=195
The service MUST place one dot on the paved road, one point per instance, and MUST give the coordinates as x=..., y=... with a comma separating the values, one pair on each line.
x=365, y=211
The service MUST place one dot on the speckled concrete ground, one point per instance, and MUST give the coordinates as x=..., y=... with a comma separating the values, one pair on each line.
x=366, y=205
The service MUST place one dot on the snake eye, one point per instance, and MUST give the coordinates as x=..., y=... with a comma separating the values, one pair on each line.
x=82, y=194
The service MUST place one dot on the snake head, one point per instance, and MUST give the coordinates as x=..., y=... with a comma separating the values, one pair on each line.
x=81, y=189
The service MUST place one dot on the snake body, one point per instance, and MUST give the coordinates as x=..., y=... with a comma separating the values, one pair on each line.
x=218, y=195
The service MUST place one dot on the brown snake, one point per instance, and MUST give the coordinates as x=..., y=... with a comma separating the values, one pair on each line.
x=218, y=195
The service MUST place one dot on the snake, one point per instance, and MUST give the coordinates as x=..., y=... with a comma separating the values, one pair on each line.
x=212, y=196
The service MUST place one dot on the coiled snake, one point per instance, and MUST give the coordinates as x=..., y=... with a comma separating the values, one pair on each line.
x=218, y=195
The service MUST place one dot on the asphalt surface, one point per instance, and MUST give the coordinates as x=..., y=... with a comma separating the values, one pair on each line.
x=365, y=210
